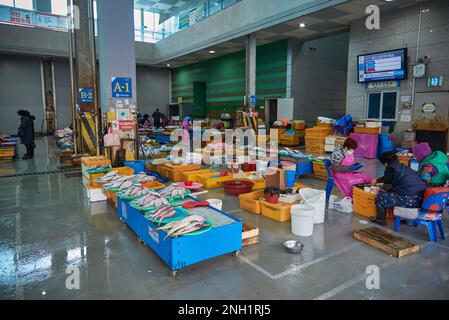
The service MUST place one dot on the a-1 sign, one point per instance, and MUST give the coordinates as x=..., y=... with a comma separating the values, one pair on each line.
x=121, y=87
x=86, y=95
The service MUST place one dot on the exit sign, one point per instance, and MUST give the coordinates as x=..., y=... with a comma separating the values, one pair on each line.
x=433, y=82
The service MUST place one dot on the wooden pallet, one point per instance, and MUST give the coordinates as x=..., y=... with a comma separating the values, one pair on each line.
x=392, y=244
x=6, y=159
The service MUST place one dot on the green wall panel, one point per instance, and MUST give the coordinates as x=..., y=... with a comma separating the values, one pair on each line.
x=225, y=77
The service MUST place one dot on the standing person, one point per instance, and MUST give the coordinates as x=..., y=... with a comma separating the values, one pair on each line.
x=402, y=187
x=26, y=133
x=344, y=167
x=157, y=118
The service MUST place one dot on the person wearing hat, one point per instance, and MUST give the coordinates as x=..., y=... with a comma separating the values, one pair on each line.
x=432, y=165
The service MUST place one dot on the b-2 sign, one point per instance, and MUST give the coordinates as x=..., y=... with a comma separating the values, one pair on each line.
x=86, y=95
x=122, y=87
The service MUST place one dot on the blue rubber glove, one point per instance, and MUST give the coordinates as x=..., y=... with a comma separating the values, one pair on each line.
x=356, y=166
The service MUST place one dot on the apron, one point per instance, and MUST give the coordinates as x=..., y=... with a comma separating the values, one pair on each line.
x=345, y=181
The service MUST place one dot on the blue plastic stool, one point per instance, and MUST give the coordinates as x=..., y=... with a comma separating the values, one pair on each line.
x=441, y=200
x=431, y=227
x=330, y=181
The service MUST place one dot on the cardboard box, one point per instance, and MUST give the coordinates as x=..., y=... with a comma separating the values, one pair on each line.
x=275, y=177
x=408, y=144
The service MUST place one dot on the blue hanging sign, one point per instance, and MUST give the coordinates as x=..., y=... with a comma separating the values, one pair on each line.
x=86, y=95
x=122, y=87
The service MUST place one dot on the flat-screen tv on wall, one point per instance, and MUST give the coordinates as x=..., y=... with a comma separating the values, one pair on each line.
x=382, y=66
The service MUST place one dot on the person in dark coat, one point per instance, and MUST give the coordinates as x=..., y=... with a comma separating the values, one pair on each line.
x=157, y=118
x=26, y=132
x=402, y=187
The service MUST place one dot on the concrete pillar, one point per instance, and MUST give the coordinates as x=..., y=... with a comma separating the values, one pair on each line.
x=251, y=46
x=42, y=5
x=116, y=50
x=84, y=77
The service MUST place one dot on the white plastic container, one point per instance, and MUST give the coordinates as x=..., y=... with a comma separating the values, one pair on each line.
x=261, y=166
x=302, y=219
x=216, y=203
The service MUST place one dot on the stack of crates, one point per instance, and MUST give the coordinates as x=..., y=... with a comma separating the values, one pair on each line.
x=315, y=139
x=291, y=140
x=332, y=141
x=319, y=171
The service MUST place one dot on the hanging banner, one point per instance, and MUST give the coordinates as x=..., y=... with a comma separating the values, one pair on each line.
x=28, y=18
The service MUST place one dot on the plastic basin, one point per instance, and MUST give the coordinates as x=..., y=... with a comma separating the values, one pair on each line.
x=237, y=187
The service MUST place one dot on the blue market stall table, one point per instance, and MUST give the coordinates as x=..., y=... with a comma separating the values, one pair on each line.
x=160, y=138
x=224, y=237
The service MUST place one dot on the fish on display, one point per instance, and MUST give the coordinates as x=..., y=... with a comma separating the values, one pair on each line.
x=186, y=225
x=163, y=212
x=151, y=200
x=174, y=190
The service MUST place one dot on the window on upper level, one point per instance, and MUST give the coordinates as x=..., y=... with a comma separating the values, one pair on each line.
x=59, y=7
x=7, y=3
x=24, y=4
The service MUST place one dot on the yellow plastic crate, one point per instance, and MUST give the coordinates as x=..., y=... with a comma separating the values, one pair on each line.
x=364, y=203
x=193, y=175
x=250, y=201
x=319, y=170
x=95, y=161
x=257, y=183
x=279, y=212
x=153, y=185
x=182, y=167
x=212, y=183
x=6, y=152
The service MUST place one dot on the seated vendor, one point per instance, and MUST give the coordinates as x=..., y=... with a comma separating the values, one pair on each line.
x=432, y=165
x=343, y=156
x=344, y=167
x=401, y=187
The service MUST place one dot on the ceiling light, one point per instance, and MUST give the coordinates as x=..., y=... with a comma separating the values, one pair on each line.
x=212, y=51
x=168, y=65
x=388, y=0
x=426, y=10
x=302, y=25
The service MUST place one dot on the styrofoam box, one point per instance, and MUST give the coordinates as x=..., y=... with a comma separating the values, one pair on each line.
x=99, y=207
x=329, y=148
x=95, y=195
x=330, y=140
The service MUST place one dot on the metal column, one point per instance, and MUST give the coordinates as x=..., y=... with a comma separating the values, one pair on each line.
x=84, y=75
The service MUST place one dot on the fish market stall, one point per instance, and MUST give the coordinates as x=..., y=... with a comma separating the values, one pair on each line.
x=177, y=227
x=222, y=235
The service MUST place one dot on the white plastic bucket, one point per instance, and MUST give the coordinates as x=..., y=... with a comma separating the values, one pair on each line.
x=302, y=219
x=216, y=203
x=261, y=166
x=317, y=200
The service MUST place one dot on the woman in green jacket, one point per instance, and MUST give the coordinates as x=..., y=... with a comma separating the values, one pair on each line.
x=433, y=166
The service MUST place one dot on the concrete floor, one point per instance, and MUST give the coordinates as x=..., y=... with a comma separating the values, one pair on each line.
x=47, y=224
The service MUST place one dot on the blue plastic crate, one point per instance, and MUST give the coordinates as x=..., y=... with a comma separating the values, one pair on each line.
x=181, y=252
x=303, y=168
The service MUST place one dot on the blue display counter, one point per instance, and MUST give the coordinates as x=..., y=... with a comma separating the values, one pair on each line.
x=183, y=251
x=160, y=138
